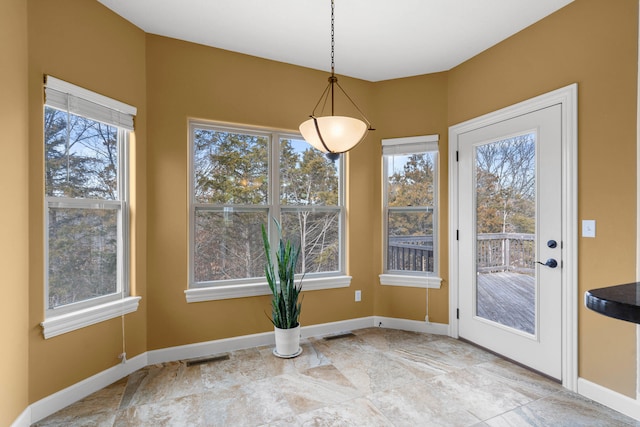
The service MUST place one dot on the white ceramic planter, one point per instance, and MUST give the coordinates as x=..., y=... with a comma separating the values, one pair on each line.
x=287, y=342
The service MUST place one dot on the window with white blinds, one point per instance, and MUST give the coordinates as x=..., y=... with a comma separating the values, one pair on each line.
x=86, y=201
x=410, y=210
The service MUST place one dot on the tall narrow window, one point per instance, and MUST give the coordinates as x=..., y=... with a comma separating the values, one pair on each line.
x=410, y=170
x=86, y=193
x=242, y=177
x=230, y=202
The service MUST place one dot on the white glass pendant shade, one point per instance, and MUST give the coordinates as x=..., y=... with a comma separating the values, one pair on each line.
x=339, y=133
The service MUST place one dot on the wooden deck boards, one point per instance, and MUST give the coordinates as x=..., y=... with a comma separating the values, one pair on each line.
x=507, y=298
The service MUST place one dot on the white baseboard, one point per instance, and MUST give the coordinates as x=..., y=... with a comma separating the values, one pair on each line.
x=24, y=420
x=65, y=397
x=55, y=402
x=192, y=351
x=337, y=327
x=614, y=400
x=412, y=325
x=207, y=348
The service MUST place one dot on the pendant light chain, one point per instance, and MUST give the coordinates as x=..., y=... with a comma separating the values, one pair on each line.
x=333, y=43
x=333, y=79
x=334, y=134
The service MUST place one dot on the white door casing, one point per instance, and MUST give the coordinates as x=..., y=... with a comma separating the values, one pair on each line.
x=566, y=98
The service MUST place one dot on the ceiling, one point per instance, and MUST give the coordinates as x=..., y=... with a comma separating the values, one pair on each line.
x=374, y=39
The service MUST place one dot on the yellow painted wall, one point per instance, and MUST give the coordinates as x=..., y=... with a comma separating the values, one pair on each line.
x=14, y=231
x=186, y=81
x=595, y=44
x=410, y=107
x=83, y=43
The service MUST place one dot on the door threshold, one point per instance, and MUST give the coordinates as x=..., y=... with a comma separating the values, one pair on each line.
x=528, y=368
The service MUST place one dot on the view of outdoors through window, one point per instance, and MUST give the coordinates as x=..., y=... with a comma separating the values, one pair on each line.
x=505, y=203
x=505, y=227
x=233, y=198
x=410, y=210
x=230, y=172
x=310, y=205
x=81, y=163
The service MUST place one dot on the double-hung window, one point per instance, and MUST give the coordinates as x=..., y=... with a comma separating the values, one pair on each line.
x=241, y=179
x=410, y=211
x=86, y=203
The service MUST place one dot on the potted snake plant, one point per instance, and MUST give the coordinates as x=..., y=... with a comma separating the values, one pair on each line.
x=285, y=294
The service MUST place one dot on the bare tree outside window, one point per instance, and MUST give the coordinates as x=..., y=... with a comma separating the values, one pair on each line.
x=505, y=181
x=505, y=173
x=233, y=197
x=309, y=197
x=505, y=204
x=81, y=162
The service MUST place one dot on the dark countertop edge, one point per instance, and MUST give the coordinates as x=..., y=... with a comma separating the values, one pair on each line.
x=615, y=301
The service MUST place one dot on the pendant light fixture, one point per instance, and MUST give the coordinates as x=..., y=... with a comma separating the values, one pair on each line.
x=334, y=134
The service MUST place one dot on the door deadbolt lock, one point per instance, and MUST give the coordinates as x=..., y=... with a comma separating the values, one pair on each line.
x=552, y=244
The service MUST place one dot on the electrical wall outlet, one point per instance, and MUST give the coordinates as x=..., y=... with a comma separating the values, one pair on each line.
x=358, y=296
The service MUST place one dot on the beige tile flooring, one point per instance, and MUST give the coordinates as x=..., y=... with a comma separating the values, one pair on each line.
x=373, y=377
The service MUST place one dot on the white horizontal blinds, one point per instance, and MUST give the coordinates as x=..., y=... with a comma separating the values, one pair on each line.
x=409, y=145
x=74, y=99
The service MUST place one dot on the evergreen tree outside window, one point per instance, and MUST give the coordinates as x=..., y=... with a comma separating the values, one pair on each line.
x=410, y=206
x=86, y=198
x=241, y=178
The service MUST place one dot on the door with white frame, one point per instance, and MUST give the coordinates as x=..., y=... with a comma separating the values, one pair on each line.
x=511, y=246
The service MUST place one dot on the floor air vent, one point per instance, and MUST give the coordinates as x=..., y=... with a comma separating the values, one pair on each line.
x=193, y=362
x=339, y=336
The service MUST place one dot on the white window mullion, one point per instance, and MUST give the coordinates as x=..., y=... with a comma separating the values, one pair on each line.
x=62, y=202
x=274, y=190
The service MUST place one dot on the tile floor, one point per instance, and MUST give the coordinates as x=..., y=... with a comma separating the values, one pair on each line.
x=374, y=377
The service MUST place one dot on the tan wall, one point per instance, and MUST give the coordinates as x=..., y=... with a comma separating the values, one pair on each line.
x=85, y=44
x=593, y=43
x=14, y=232
x=185, y=81
x=410, y=107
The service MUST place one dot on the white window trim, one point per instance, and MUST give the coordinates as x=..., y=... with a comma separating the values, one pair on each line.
x=58, y=325
x=411, y=281
x=250, y=287
x=214, y=293
x=79, y=315
x=408, y=145
x=567, y=97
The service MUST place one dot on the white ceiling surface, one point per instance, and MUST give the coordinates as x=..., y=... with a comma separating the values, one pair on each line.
x=374, y=39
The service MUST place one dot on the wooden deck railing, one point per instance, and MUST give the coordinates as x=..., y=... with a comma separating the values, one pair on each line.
x=411, y=253
x=513, y=252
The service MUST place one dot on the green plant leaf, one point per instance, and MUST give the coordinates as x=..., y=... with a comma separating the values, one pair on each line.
x=286, y=303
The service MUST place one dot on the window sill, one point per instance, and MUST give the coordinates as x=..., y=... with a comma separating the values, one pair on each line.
x=214, y=293
x=64, y=323
x=426, y=282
